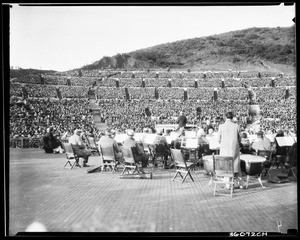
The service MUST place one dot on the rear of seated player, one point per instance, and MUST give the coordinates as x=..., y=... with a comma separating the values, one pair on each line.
x=79, y=147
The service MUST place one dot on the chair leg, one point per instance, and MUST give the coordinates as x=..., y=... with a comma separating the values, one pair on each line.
x=180, y=175
x=232, y=187
x=293, y=170
x=175, y=176
x=211, y=178
x=77, y=160
x=66, y=164
x=73, y=164
x=184, y=177
x=114, y=168
x=135, y=170
x=259, y=179
x=215, y=186
x=189, y=173
x=247, y=181
x=191, y=176
x=123, y=170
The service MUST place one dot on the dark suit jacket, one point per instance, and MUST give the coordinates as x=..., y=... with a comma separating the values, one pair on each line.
x=182, y=121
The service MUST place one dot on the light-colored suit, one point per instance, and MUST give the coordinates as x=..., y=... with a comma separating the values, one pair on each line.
x=229, y=139
x=79, y=147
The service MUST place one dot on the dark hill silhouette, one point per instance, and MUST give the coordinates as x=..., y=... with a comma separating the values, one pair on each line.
x=260, y=49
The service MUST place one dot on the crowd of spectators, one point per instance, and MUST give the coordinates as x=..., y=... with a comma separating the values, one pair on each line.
x=226, y=94
x=73, y=91
x=38, y=90
x=136, y=92
x=178, y=79
x=114, y=113
x=31, y=117
x=141, y=93
x=15, y=89
x=110, y=93
x=171, y=93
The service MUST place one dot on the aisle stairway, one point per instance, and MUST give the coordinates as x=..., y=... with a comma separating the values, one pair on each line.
x=96, y=114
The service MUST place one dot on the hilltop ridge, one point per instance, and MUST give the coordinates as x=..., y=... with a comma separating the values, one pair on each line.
x=259, y=49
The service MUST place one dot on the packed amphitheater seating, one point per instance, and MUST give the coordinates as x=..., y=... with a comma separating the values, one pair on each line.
x=62, y=100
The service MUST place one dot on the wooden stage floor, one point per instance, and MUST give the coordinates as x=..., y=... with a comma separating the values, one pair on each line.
x=71, y=201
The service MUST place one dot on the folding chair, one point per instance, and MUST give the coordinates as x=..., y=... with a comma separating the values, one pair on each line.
x=223, y=172
x=191, y=148
x=151, y=153
x=72, y=159
x=294, y=172
x=93, y=146
x=107, y=155
x=182, y=167
x=193, y=157
x=141, y=150
x=130, y=164
x=137, y=157
x=159, y=155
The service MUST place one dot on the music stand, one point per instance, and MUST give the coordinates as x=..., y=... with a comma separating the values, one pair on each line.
x=285, y=141
x=121, y=137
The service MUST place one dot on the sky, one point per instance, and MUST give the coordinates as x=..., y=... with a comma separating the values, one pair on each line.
x=67, y=37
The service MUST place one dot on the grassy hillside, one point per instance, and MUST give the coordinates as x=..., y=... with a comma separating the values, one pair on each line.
x=270, y=49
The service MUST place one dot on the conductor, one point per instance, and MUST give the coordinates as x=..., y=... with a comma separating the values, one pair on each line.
x=181, y=121
x=251, y=94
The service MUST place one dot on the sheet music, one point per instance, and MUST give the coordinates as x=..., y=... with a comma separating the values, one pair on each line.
x=169, y=139
x=139, y=137
x=149, y=138
x=190, y=134
x=121, y=137
x=191, y=143
x=173, y=135
x=285, y=141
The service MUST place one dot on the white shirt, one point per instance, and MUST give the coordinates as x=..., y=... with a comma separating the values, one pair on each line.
x=75, y=140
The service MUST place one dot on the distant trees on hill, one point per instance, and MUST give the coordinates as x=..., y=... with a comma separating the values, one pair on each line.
x=17, y=73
